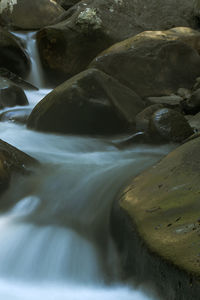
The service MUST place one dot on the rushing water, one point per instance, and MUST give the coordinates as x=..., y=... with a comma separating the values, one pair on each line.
x=54, y=239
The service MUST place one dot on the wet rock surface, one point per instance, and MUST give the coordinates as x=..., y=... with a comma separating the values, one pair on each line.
x=89, y=103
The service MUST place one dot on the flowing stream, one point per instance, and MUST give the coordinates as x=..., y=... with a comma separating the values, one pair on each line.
x=54, y=239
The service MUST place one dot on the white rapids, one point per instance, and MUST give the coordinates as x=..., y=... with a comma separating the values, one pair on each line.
x=55, y=242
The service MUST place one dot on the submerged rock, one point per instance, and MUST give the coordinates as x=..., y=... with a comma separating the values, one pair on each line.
x=156, y=224
x=153, y=63
x=66, y=4
x=12, y=55
x=16, y=115
x=89, y=103
x=31, y=14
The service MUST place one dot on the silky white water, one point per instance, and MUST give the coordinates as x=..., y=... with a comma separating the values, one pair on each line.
x=55, y=242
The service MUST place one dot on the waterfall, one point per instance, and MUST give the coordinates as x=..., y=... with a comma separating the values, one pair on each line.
x=54, y=237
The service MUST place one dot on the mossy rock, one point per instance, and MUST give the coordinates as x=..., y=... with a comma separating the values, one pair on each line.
x=163, y=203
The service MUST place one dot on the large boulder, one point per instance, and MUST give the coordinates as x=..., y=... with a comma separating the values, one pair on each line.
x=11, y=94
x=12, y=161
x=89, y=103
x=156, y=224
x=12, y=55
x=31, y=14
x=153, y=63
x=93, y=25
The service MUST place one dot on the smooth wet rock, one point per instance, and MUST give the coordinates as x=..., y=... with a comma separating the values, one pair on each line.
x=12, y=55
x=151, y=63
x=31, y=14
x=170, y=125
x=12, y=161
x=156, y=225
x=16, y=115
x=144, y=117
x=11, y=94
x=89, y=103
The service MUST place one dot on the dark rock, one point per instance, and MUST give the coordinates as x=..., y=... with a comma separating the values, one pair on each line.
x=151, y=63
x=169, y=125
x=66, y=4
x=184, y=93
x=89, y=103
x=16, y=115
x=12, y=55
x=16, y=79
x=143, y=118
x=31, y=14
x=12, y=161
x=192, y=105
x=11, y=95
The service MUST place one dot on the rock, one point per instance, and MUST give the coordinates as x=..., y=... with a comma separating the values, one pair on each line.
x=194, y=121
x=184, y=93
x=12, y=161
x=16, y=115
x=162, y=57
x=12, y=55
x=169, y=125
x=11, y=95
x=93, y=25
x=89, y=103
x=6, y=74
x=156, y=223
x=66, y=4
x=68, y=47
x=172, y=101
x=31, y=14
x=143, y=118
x=192, y=105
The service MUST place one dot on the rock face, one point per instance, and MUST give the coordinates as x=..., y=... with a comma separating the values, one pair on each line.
x=93, y=25
x=151, y=64
x=12, y=54
x=12, y=161
x=163, y=206
x=31, y=14
x=11, y=95
x=89, y=103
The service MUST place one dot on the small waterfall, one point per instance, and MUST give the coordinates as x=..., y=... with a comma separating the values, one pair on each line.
x=35, y=76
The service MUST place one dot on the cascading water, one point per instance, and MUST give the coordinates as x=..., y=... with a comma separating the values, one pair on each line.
x=54, y=239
